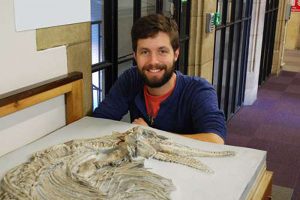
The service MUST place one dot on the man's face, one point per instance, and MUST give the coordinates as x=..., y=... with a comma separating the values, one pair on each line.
x=155, y=59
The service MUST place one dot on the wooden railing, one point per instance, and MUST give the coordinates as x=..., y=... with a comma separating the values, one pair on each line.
x=70, y=85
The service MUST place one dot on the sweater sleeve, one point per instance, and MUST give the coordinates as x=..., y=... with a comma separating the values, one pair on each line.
x=207, y=117
x=115, y=105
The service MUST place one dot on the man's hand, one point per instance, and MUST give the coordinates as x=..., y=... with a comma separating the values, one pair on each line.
x=140, y=121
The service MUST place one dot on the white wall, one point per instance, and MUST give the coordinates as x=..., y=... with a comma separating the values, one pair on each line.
x=50, y=13
x=22, y=65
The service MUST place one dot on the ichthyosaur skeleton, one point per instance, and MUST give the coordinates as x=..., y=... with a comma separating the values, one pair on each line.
x=108, y=167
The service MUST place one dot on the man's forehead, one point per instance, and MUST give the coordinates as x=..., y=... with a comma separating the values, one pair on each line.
x=160, y=40
x=140, y=47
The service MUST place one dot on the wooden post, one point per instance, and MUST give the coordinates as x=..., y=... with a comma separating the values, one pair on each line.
x=74, y=102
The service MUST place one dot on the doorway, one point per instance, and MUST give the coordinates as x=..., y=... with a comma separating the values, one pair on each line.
x=268, y=40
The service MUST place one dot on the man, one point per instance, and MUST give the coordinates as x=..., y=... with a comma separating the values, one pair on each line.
x=158, y=96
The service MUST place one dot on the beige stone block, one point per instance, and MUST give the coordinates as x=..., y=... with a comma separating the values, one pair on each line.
x=191, y=70
x=192, y=41
x=196, y=8
x=209, y=6
x=79, y=59
x=275, y=57
x=276, y=63
x=277, y=44
x=198, y=40
x=207, y=71
x=62, y=35
x=207, y=47
x=279, y=27
x=195, y=45
x=293, y=31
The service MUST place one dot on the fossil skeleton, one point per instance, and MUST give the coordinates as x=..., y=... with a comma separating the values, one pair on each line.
x=108, y=167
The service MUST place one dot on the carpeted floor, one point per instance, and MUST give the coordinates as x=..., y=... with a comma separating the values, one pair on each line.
x=272, y=124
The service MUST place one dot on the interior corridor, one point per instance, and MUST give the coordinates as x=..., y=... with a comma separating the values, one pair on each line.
x=272, y=124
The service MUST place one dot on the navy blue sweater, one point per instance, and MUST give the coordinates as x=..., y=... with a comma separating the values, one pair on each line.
x=191, y=108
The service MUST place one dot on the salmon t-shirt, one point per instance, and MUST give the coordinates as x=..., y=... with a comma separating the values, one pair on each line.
x=153, y=102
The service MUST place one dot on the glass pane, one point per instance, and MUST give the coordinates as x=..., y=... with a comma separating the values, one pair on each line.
x=273, y=4
x=124, y=66
x=237, y=10
x=241, y=58
x=234, y=66
x=224, y=73
x=97, y=42
x=249, y=8
x=168, y=8
x=229, y=10
x=125, y=21
x=148, y=7
x=220, y=9
x=183, y=21
x=97, y=31
x=245, y=5
x=182, y=60
x=98, y=87
x=96, y=10
x=217, y=59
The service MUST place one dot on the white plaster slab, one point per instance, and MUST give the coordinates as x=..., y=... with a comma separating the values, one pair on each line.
x=232, y=179
x=50, y=13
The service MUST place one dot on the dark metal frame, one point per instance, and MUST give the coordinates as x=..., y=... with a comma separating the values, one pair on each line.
x=232, y=72
x=184, y=39
x=111, y=38
x=268, y=40
x=137, y=6
x=159, y=6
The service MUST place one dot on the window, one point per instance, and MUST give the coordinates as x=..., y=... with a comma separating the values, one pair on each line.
x=231, y=53
x=111, y=42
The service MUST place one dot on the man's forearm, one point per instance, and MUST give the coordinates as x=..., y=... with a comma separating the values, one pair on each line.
x=206, y=137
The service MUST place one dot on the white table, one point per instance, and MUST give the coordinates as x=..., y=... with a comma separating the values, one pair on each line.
x=233, y=177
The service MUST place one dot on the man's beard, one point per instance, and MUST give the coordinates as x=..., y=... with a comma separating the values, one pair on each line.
x=155, y=83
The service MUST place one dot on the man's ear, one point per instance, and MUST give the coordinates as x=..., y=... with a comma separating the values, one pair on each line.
x=134, y=55
x=176, y=54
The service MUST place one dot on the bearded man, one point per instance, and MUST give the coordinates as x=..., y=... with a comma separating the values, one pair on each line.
x=158, y=96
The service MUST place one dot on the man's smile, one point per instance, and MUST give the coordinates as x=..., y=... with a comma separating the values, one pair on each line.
x=154, y=70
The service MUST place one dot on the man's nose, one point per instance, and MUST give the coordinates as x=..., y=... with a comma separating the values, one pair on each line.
x=154, y=59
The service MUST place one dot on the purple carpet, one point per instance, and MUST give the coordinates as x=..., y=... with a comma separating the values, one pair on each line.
x=272, y=124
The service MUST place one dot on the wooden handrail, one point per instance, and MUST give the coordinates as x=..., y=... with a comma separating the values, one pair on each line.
x=70, y=85
x=37, y=88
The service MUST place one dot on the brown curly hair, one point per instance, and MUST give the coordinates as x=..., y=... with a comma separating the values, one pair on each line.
x=149, y=26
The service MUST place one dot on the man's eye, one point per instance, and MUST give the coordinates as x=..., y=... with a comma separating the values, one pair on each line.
x=163, y=51
x=144, y=52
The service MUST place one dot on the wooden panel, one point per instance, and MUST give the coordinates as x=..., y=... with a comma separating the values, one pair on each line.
x=74, y=108
x=264, y=187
